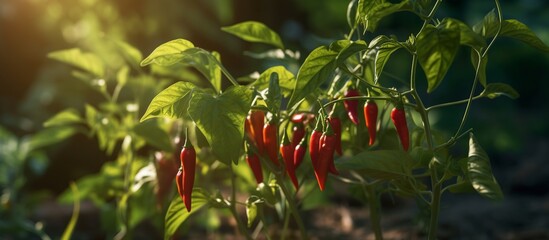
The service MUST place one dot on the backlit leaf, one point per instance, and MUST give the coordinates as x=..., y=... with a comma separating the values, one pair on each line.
x=494, y=90
x=255, y=32
x=171, y=102
x=383, y=164
x=168, y=53
x=177, y=213
x=479, y=171
x=85, y=61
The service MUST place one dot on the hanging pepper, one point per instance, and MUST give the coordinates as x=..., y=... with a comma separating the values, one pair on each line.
x=326, y=154
x=370, y=117
x=314, y=141
x=185, y=176
x=256, y=120
x=298, y=132
x=253, y=161
x=270, y=141
x=287, y=152
x=299, y=152
x=399, y=120
x=335, y=122
x=352, y=105
x=331, y=168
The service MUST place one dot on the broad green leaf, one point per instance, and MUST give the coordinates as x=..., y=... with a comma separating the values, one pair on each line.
x=494, y=90
x=384, y=53
x=177, y=213
x=154, y=135
x=482, y=66
x=206, y=63
x=171, y=102
x=129, y=52
x=348, y=51
x=51, y=135
x=382, y=164
x=370, y=12
x=461, y=186
x=75, y=212
x=67, y=116
x=221, y=119
x=168, y=53
x=85, y=61
x=467, y=35
x=317, y=68
x=255, y=32
x=479, y=171
x=285, y=78
x=436, y=49
x=509, y=28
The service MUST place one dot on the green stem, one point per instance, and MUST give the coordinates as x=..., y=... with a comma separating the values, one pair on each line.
x=375, y=217
x=232, y=207
x=452, y=103
x=293, y=206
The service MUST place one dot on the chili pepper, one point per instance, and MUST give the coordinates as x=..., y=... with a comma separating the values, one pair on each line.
x=298, y=133
x=188, y=164
x=331, y=168
x=314, y=141
x=179, y=181
x=370, y=117
x=351, y=105
x=326, y=154
x=336, y=127
x=299, y=118
x=270, y=141
x=299, y=152
x=399, y=120
x=166, y=170
x=256, y=119
x=253, y=161
x=287, y=152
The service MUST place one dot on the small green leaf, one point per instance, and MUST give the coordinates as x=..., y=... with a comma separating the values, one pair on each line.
x=168, y=53
x=129, y=52
x=154, y=135
x=436, y=49
x=177, y=214
x=494, y=90
x=251, y=209
x=468, y=36
x=383, y=164
x=479, y=171
x=67, y=116
x=255, y=32
x=384, y=53
x=85, y=61
x=273, y=95
x=317, y=69
x=221, y=119
x=171, y=102
x=51, y=135
x=285, y=78
x=371, y=12
x=348, y=51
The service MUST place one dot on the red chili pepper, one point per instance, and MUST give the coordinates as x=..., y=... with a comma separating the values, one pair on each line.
x=256, y=119
x=166, y=170
x=270, y=141
x=370, y=117
x=314, y=141
x=298, y=132
x=180, y=182
x=352, y=105
x=326, y=154
x=188, y=164
x=331, y=168
x=336, y=127
x=287, y=152
x=399, y=120
x=253, y=161
x=299, y=152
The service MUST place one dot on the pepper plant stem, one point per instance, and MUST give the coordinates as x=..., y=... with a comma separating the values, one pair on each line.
x=292, y=205
x=375, y=217
x=232, y=208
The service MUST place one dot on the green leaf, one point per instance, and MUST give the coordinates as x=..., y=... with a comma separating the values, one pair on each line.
x=371, y=12
x=479, y=171
x=317, y=68
x=384, y=53
x=251, y=209
x=349, y=50
x=286, y=80
x=168, y=53
x=509, y=28
x=468, y=36
x=67, y=116
x=255, y=32
x=51, y=135
x=221, y=119
x=273, y=95
x=382, y=164
x=85, y=61
x=436, y=49
x=177, y=213
x=171, y=102
x=482, y=66
x=129, y=52
x=206, y=63
x=154, y=135
x=494, y=90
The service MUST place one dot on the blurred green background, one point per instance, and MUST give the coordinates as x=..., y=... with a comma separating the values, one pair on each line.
x=34, y=88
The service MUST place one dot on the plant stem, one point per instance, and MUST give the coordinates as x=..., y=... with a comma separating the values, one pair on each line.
x=232, y=207
x=375, y=217
x=293, y=206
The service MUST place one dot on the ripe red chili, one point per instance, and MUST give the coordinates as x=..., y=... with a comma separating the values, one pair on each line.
x=166, y=170
x=188, y=165
x=352, y=105
x=399, y=120
x=298, y=132
x=370, y=117
x=331, y=168
x=287, y=152
x=326, y=154
x=270, y=141
x=253, y=161
x=335, y=122
x=256, y=119
x=314, y=141
x=299, y=152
